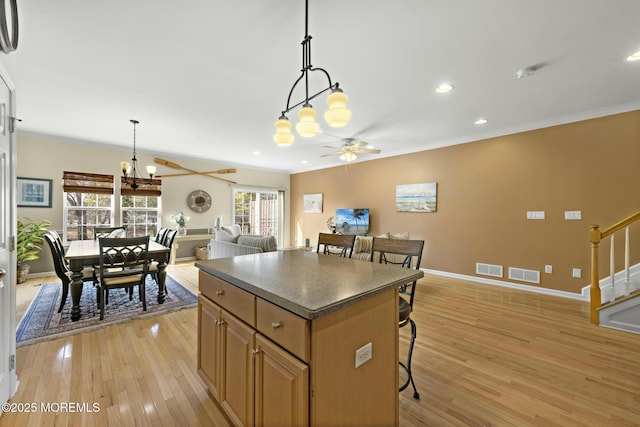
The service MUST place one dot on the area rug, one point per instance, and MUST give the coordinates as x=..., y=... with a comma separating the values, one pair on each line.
x=43, y=322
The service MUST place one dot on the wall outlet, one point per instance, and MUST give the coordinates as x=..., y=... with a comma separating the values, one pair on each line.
x=548, y=269
x=535, y=214
x=363, y=354
x=577, y=273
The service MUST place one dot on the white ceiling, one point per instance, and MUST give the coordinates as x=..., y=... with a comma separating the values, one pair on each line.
x=207, y=79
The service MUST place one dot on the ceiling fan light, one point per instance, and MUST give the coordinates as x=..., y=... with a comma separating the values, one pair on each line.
x=283, y=136
x=348, y=156
x=307, y=126
x=337, y=115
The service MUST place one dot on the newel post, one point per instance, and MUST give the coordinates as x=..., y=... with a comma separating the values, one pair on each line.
x=595, y=295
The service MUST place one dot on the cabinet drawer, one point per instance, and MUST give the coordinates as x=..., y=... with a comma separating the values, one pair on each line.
x=238, y=302
x=285, y=328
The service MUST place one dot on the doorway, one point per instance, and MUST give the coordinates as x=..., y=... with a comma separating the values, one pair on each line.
x=8, y=379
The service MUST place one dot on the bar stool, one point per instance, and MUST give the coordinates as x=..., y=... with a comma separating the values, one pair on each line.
x=408, y=254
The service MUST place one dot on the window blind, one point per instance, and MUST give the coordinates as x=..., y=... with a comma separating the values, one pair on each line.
x=80, y=182
x=146, y=187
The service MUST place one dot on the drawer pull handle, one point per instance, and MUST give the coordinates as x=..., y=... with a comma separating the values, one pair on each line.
x=255, y=351
x=219, y=293
x=275, y=325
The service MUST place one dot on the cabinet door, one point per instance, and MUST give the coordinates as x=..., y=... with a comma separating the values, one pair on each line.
x=282, y=387
x=238, y=370
x=209, y=350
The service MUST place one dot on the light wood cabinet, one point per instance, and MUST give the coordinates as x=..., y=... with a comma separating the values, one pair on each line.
x=255, y=381
x=238, y=344
x=282, y=387
x=269, y=367
x=209, y=352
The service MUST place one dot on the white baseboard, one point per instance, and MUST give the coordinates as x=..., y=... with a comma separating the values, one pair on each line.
x=582, y=296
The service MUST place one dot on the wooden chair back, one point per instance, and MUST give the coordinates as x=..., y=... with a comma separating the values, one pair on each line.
x=57, y=251
x=123, y=264
x=100, y=232
x=159, y=238
x=336, y=244
x=404, y=253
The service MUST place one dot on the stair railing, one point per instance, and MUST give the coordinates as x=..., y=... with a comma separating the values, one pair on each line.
x=596, y=236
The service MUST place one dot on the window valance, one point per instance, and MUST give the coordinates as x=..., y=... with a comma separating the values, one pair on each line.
x=80, y=182
x=146, y=187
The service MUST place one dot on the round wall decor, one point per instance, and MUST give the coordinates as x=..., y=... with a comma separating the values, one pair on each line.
x=199, y=201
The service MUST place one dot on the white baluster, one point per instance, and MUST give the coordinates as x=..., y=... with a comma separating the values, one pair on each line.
x=611, y=293
x=627, y=283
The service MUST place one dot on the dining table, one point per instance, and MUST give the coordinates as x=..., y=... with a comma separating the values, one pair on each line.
x=86, y=253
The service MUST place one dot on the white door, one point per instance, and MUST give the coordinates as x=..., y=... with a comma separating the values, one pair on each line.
x=8, y=378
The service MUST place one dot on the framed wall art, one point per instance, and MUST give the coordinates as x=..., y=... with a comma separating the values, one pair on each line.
x=416, y=197
x=313, y=203
x=34, y=193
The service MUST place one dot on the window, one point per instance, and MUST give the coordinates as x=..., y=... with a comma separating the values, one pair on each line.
x=88, y=201
x=140, y=215
x=259, y=211
x=140, y=209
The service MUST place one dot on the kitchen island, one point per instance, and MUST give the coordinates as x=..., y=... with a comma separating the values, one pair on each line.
x=280, y=335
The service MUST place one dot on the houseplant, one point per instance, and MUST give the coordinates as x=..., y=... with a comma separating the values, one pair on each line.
x=28, y=245
x=181, y=221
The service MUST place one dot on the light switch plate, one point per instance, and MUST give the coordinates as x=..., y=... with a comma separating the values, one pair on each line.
x=535, y=214
x=572, y=215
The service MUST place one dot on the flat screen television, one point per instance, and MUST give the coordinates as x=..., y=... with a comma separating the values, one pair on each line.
x=352, y=221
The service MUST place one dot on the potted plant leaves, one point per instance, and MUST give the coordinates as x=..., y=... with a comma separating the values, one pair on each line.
x=28, y=245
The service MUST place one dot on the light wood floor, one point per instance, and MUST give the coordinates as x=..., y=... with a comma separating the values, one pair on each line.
x=484, y=356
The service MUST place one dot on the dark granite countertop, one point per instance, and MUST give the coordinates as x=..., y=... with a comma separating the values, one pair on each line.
x=305, y=283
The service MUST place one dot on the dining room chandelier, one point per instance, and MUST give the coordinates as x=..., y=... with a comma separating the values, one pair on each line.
x=336, y=116
x=130, y=170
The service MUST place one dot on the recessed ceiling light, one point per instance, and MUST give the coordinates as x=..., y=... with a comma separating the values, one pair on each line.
x=444, y=88
x=634, y=56
x=481, y=122
x=304, y=162
x=256, y=153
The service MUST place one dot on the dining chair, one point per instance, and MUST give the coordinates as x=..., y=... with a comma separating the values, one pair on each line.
x=336, y=244
x=123, y=264
x=61, y=265
x=100, y=231
x=407, y=254
x=160, y=234
x=168, y=242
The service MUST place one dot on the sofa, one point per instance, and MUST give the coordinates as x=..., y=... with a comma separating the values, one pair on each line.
x=362, y=245
x=229, y=242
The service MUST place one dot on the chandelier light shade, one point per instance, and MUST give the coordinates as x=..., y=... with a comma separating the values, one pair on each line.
x=307, y=126
x=336, y=116
x=283, y=136
x=130, y=174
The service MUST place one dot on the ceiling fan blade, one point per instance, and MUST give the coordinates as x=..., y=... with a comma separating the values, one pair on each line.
x=330, y=146
x=368, y=150
x=360, y=144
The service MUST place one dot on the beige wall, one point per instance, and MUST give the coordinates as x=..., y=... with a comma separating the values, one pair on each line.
x=485, y=189
x=47, y=158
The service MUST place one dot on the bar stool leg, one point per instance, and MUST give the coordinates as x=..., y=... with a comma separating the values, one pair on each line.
x=407, y=367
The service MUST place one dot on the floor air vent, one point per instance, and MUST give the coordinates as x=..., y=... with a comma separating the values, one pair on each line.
x=489, y=269
x=531, y=276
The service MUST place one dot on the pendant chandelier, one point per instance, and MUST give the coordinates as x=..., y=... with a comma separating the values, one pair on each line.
x=130, y=170
x=336, y=116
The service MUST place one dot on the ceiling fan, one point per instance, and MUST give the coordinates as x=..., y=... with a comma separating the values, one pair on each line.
x=348, y=149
